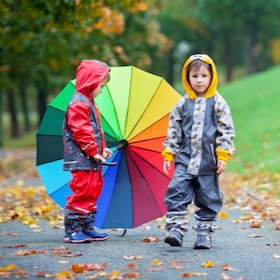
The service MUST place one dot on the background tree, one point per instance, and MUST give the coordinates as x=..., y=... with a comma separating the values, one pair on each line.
x=241, y=36
x=42, y=42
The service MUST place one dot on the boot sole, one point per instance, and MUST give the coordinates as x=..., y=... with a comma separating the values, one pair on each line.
x=68, y=240
x=99, y=239
x=202, y=246
x=173, y=241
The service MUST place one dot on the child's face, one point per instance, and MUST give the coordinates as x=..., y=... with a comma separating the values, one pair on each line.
x=200, y=80
x=99, y=88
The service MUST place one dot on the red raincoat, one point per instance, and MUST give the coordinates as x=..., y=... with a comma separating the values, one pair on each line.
x=83, y=138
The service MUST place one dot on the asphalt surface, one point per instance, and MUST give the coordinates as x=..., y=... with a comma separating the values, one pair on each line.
x=235, y=246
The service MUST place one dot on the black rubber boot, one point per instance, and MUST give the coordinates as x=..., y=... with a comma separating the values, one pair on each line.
x=174, y=238
x=203, y=240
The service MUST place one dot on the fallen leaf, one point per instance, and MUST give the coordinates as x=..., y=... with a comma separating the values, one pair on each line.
x=226, y=266
x=45, y=275
x=157, y=262
x=150, y=239
x=29, y=252
x=236, y=221
x=208, y=264
x=64, y=275
x=162, y=226
x=131, y=275
x=11, y=234
x=15, y=246
x=63, y=261
x=190, y=274
x=8, y=267
x=223, y=215
x=131, y=266
x=247, y=217
x=254, y=235
x=255, y=224
x=61, y=247
x=78, y=268
x=174, y=265
x=132, y=258
x=95, y=266
x=146, y=228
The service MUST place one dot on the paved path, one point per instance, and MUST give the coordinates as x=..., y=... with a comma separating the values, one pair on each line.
x=251, y=258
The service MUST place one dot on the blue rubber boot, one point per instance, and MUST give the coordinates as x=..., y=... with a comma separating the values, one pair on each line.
x=76, y=237
x=89, y=230
x=73, y=225
x=95, y=236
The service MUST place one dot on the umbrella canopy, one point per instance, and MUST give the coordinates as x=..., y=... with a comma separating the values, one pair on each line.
x=135, y=107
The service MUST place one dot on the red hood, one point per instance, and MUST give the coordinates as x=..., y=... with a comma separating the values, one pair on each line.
x=89, y=74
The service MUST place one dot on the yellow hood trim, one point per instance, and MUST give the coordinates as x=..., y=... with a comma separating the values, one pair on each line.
x=213, y=86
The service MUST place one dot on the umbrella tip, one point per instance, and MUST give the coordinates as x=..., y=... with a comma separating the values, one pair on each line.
x=123, y=144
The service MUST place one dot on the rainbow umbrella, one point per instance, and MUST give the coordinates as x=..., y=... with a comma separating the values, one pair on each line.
x=135, y=107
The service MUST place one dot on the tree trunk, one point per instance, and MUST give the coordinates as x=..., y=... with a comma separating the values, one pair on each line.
x=170, y=63
x=13, y=114
x=23, y=99
x=41, y=99
x=1, y=120
x=227, y=55
x=250, y=46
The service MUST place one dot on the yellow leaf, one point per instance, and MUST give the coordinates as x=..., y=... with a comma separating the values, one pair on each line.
x=223, y=215
x=8, y=267
x=157, y=262
x=208, y=264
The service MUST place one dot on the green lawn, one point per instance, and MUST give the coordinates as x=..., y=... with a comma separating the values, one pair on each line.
x=255, y=105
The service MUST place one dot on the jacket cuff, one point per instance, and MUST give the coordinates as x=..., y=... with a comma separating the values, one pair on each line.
x=223, y=155
x=168, y=155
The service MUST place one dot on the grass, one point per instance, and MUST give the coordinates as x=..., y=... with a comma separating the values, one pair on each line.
x=254, y=103
x=25, y=141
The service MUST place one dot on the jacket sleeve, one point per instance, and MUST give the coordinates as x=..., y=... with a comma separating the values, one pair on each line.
x=174, y=133
x=226, y=133
x=79, y=123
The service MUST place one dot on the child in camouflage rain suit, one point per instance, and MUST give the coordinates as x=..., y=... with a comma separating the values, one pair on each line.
x=84, y=148
x=200, y=142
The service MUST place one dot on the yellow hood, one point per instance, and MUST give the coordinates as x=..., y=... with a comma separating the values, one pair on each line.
x=213, y=86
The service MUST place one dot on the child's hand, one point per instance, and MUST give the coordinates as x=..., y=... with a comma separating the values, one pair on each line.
x=99, y=158
x=221, y=165
x=107, y=153
x=166, y=166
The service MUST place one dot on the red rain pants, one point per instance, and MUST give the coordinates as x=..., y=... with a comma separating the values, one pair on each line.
x=86, y=187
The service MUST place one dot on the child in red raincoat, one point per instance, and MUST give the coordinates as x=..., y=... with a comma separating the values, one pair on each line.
x=84, y=148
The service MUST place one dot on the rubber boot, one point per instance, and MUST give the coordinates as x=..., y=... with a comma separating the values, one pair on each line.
x=204, y=231
x=89, y=231
x=73, y=225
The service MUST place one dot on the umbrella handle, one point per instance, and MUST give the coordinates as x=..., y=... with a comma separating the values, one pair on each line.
x=124, y=232
x=113, y=163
